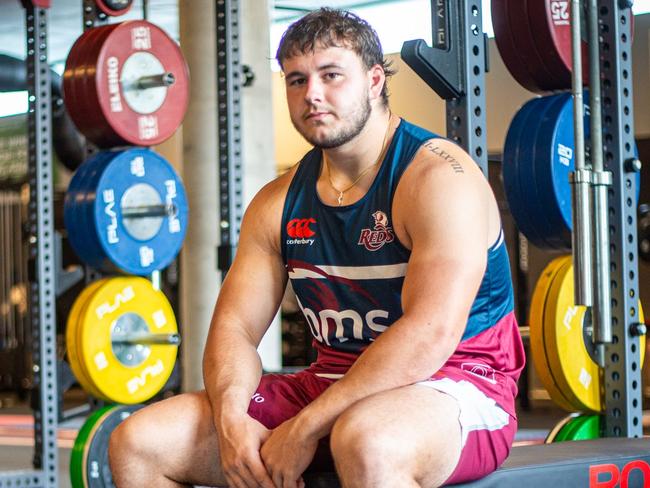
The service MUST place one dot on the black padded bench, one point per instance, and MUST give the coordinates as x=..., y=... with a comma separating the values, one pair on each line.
x=575, y=464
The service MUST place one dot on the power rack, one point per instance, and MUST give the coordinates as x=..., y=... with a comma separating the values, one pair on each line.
x=42, y=291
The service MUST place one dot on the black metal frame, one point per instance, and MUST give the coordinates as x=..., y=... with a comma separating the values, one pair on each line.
x=622, y=376
x=229, y=130
x=42, y=250
x=455, y=69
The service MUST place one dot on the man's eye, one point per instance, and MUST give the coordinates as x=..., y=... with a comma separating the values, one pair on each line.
x=296, y=81
x=332, y=76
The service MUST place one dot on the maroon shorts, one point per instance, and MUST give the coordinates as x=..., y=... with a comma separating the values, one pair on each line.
x=487, y=430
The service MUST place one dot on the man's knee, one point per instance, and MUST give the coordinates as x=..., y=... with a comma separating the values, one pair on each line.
x=120, y=443
x=128, y=440
x=362, y=445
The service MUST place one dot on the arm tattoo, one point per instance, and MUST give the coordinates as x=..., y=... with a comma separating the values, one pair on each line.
x=455, y=165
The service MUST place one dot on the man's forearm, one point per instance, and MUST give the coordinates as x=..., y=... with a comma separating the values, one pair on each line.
x=397, y=358
x=231, y=371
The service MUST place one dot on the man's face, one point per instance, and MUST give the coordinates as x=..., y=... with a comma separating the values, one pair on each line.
x=328, y=93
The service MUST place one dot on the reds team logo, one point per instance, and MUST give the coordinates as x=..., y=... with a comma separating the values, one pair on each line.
x=375, y=239
x=300, y=232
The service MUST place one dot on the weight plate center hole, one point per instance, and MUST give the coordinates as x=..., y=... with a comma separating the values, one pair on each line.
x=126, y=326
x=144, y=82
x=143, y=211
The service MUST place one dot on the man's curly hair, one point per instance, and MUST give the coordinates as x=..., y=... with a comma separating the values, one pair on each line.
x=328, y=27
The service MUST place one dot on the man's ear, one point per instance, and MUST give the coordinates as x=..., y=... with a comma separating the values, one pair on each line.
x=376, y=80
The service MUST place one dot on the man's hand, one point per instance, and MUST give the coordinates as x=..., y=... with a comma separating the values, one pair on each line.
x=240, y=441
x=287, y=453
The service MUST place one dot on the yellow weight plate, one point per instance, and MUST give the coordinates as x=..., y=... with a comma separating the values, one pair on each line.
x=576, y=374
x=84, y=370
x=130, y=374
x=536, y=324
x=71, y=339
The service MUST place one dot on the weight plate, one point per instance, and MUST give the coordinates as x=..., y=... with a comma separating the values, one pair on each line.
x=71, y=339
x=89, y=467
x=82, y=111
x=114, y=8
x=83, y=438
x=513, y=58
x=538, y=158
x=552, y=435
x=536, y=323
x=551, y=27
x=131, y=374
x=139, y=246
x=115, y=73
x=94, y=125
x=570, y=352
x=644, y=232
x=580, y=428
x=72, y=63
x=551, y=163
x=525, y=43
x=512, y=183
x=533, y=194
x=104, y=190
x=79, y=231
x=118, y=94
x=588, y=428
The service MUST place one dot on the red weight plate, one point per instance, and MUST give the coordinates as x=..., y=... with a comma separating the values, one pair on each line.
x=124, y=124
x=73, y=103
x=114, y=9
x=85, y=109
x=95, y=124
x=551, y=26
x=512, y=57
x=522, y=34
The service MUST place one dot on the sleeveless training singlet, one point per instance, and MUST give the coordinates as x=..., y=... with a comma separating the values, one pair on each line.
x=347, y=268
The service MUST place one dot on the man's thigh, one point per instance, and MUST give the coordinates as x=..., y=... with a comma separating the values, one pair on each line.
x=179, y=432
x=178, y=435
x=429, y=432
x=412, y=429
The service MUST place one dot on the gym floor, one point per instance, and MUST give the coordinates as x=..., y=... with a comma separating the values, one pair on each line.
x=16, y=433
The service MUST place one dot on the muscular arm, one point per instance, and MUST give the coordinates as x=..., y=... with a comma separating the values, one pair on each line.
x=249, y=298
x=442, y=205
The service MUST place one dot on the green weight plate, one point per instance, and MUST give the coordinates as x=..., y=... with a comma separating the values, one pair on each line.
x=96, y=470
x=83, y=438
x=588, y=429
x=583, y=427
x=566, y=431
x=552, y=435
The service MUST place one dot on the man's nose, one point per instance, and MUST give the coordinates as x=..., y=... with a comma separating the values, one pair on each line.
x=314, y=90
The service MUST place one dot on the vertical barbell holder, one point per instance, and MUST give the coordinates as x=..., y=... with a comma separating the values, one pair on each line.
x=601, y=181
x=581, y=177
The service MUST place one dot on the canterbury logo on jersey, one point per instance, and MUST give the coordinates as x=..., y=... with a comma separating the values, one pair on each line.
x=374, y=239
x=300, y=232
x=333, y=326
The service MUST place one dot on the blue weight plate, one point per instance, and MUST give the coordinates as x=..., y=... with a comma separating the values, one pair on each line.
x=148, y=170
x=532, y=193
x=553, y=181
x=512, y=186
x=93, y=251
x=534, y=226
x=554, y=162
x=78, y=230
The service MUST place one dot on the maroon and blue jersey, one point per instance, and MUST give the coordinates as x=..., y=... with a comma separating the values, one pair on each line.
x=347, y=269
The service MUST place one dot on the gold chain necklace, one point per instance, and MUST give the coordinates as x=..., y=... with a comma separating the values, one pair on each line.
x=379, y=158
